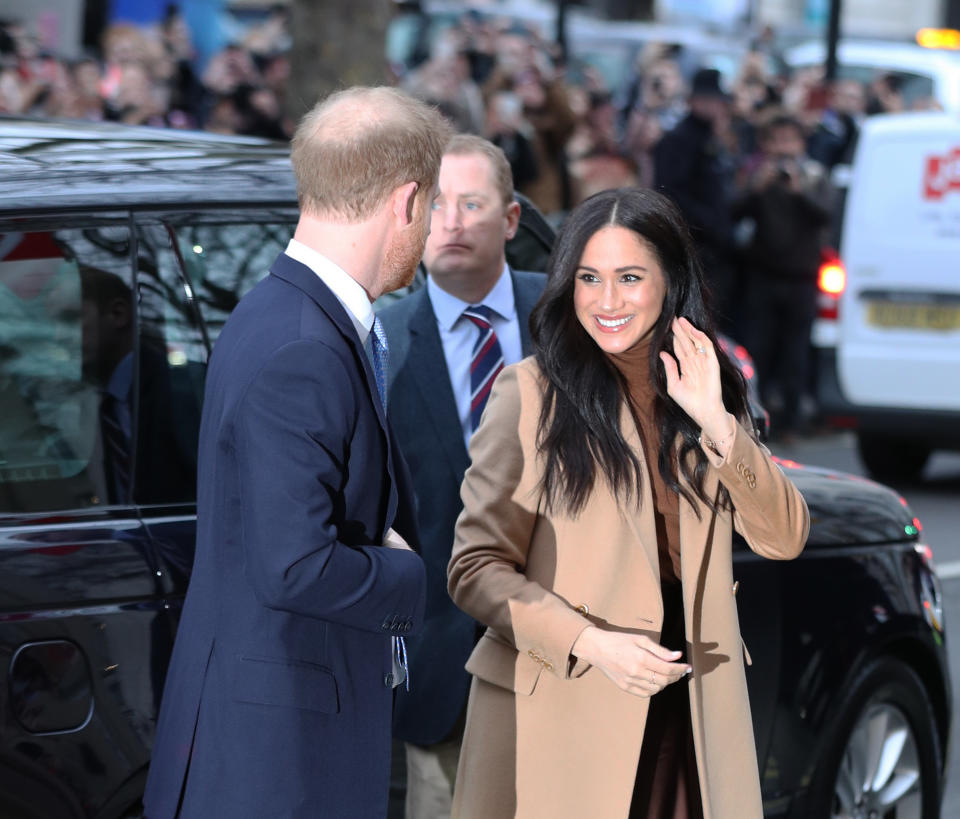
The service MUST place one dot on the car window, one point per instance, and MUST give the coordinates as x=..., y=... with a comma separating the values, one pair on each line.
x=172, y=359
x=224, y=256
x=192, y=271
x=67, y=318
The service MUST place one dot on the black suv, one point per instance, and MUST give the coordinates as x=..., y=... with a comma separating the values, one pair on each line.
x=122, y=252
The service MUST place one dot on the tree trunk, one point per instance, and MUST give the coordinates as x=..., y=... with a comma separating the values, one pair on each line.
x=336, y=44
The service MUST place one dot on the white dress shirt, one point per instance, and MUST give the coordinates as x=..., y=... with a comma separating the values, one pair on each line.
x=347, y=290
x=459, y=334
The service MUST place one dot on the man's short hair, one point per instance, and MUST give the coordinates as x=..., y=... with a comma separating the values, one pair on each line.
x=466, y=144
x=781, y=119
x=359, y=145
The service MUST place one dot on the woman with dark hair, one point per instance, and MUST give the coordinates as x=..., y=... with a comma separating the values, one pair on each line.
x=608, y=474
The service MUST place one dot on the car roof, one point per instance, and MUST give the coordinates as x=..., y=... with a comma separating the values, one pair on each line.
x=58, y=164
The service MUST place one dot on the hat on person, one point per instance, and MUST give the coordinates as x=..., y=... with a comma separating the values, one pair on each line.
x=706, y=83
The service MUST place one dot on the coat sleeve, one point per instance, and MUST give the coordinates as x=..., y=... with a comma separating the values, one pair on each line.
x=769, y=510
x=292, y=434
x=493, y=535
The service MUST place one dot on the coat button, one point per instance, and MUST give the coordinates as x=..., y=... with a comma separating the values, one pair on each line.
x=388, y=680
x=583, y=608
x=548, y=666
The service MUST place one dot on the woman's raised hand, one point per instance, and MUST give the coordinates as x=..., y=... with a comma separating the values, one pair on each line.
x=695, y=384
x=633, y=662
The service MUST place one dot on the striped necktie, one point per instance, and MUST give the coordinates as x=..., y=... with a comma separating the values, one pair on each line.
x=486, y=363
x=378, y=345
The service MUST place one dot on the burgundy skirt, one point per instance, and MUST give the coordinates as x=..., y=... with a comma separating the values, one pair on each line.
x=667, y=785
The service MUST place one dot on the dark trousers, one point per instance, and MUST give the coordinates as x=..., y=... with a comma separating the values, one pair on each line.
x=777, y=317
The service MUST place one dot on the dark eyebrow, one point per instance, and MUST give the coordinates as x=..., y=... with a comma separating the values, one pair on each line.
x=617, y=270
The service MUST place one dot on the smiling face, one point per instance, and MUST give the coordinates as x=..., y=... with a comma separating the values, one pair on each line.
x=470, y=224
x=619, y=289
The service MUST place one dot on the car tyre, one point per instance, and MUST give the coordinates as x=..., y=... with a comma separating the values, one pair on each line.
x=883, y=752
x=891, y=459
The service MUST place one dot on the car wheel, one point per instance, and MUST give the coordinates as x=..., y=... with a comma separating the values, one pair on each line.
x=882, y=758
x=889, y=458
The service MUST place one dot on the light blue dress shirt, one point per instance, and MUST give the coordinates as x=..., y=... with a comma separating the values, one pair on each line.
x=458, y=335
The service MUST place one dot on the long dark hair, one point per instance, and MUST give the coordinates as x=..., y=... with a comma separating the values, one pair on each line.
x=579, y=430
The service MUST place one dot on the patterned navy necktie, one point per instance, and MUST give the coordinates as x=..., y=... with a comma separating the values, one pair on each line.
x=378, y=345
x=486, y=363
x=380, y=354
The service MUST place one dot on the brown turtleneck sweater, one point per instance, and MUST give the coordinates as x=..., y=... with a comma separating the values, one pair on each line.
x=635, y=367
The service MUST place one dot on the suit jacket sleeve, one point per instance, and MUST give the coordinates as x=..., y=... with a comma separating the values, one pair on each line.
x=769, y=510
x=292, y=434
x=492, y=539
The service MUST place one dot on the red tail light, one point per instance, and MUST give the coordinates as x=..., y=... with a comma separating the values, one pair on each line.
x=831, y=282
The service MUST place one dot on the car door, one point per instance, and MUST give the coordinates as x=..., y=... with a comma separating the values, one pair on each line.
x=78, y=576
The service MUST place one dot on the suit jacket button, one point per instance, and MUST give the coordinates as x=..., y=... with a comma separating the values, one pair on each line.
x=388, y=680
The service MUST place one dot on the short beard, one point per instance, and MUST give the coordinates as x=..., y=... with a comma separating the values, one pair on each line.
x=400, y=265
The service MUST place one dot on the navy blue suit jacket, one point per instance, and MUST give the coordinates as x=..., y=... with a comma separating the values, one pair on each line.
x=423, y=413
x=278, y=700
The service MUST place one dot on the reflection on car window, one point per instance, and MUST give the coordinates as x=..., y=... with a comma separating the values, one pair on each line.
x=190, y=278
x=173, y=359
x=223, y=261
x=67, y=318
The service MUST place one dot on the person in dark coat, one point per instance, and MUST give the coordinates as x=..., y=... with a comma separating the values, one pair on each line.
x=434, y=406
x=280, y=690
x=789, y=203
x=694, y=167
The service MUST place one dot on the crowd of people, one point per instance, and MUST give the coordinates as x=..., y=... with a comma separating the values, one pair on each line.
x=747, y=161
x=150, y=76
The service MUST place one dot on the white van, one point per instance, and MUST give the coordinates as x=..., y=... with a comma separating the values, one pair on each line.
x=888, y=335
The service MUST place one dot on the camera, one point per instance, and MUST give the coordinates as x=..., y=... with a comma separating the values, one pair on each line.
x=784, y=171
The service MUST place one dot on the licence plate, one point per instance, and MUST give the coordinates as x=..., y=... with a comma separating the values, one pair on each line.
x=920, y=316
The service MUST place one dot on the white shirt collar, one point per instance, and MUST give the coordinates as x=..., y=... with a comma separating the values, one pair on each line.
x=448, y=308
x=348, y=291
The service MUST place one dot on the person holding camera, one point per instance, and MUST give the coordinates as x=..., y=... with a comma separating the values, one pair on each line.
x=786, y=208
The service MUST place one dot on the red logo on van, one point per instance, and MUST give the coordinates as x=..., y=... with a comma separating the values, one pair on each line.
x=942, y=175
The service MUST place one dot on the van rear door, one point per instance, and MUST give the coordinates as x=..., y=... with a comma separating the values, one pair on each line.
x=899, y=333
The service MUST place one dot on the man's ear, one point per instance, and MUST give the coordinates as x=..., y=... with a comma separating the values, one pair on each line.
x=404, y=200
x=513, y=219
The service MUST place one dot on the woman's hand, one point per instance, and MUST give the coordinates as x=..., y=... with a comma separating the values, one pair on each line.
x=695, y=385
x=632, y=662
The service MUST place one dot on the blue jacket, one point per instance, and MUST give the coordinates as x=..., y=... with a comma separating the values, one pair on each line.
x=423, y=414
x=278, y=697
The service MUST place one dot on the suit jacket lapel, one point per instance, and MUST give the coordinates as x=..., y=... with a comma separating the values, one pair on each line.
x=303, y=278
x=524, y=298
x=433, y=382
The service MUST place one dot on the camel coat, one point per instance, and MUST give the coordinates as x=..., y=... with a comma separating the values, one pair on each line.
x=550, y=736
